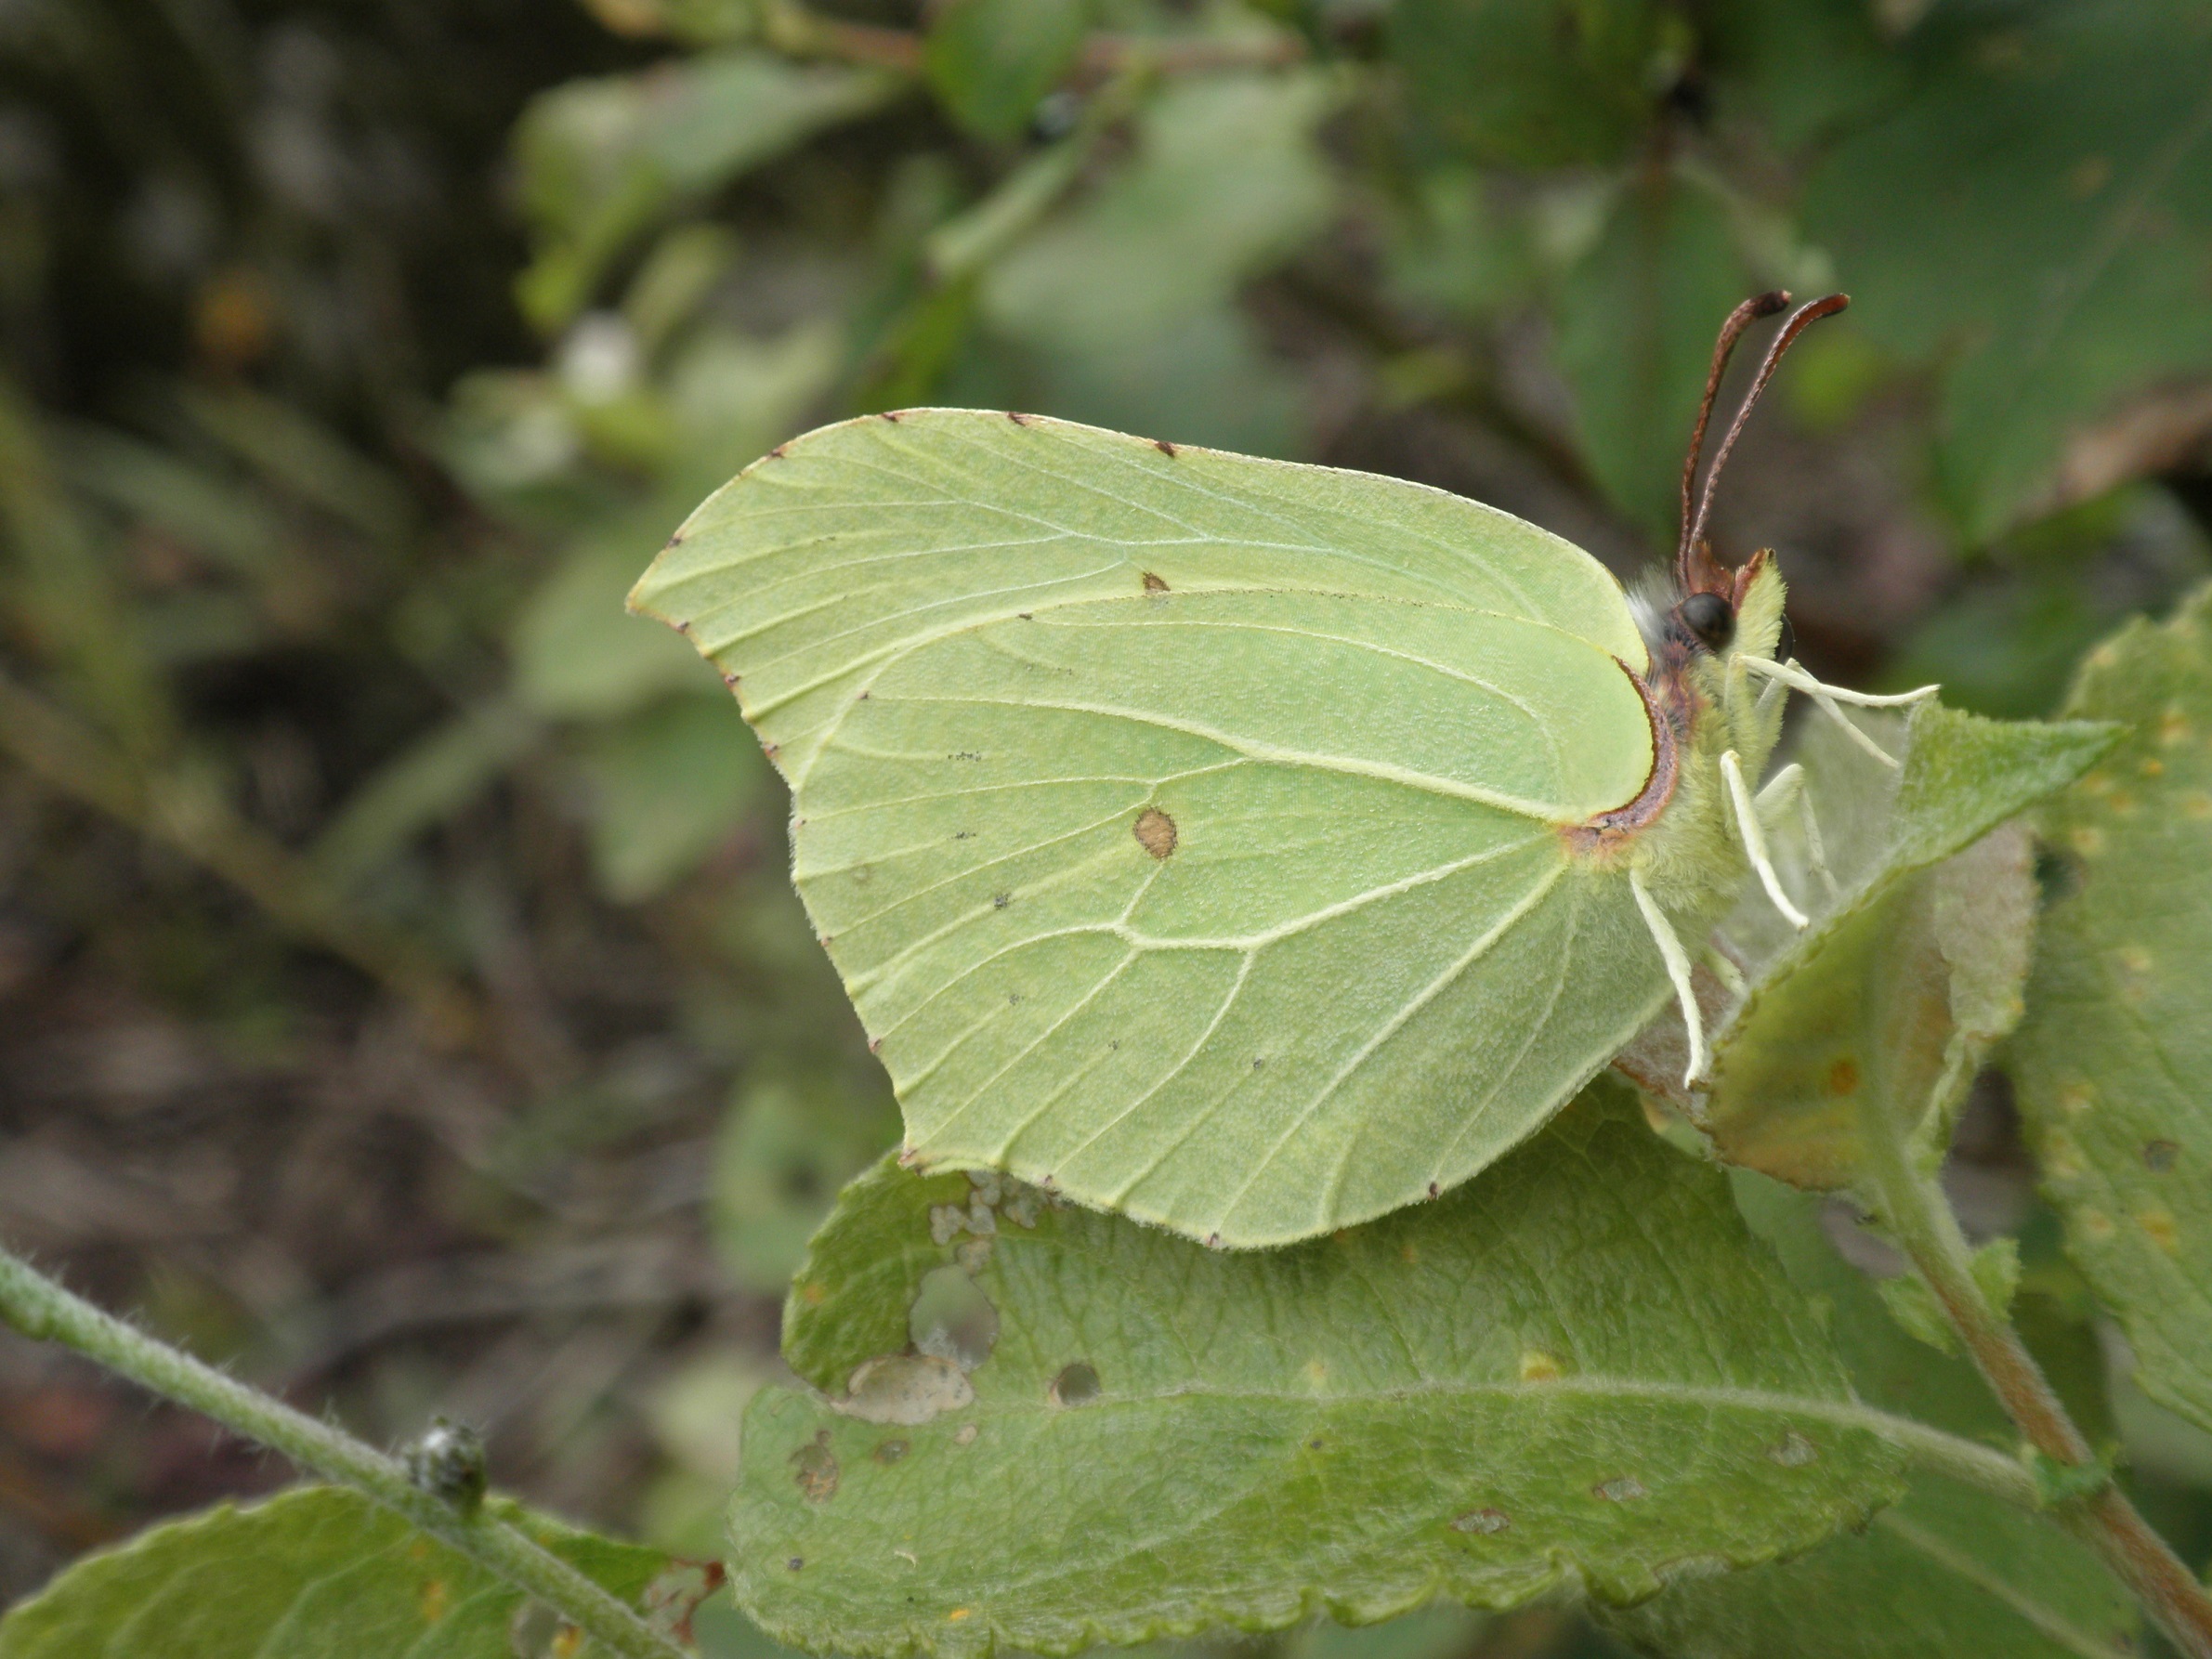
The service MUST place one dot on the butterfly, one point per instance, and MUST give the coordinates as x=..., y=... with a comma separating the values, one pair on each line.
x=1249, y=848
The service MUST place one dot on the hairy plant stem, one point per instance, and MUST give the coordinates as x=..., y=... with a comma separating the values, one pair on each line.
x=1913, y=1206
x=43, y=1309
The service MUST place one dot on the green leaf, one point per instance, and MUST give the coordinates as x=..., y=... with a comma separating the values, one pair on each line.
x=318, y=1573
x=2113, y=1060
x=2037, y=217
x=1185, y=826
x=1913, y=1306
x=989, y=61
x=784, y=1150
x=1534, y=83
x=1996, y=1267
x=1801, y=70
x=1889, y=1000
x=1226, y=180
x=425, y=782
x=576, y=654
x=603, y=161
x=1579, y=1372
x=1635, y=322
x=1947, y=1571
x=669, y=786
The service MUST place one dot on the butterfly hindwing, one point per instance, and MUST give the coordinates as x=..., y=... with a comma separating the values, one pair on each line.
x=1184, y=826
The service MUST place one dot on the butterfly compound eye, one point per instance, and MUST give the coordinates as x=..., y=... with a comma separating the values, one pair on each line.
x=1710, y=616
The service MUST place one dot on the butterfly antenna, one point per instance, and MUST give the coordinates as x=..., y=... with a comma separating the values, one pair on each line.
x=1803, y=318
x=1742, y=317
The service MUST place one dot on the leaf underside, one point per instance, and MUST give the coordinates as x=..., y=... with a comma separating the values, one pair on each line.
x=2112, y=1058
x=1185, y=826
x=1579, y=1371
x=1945, y=1572
x=318, y=1573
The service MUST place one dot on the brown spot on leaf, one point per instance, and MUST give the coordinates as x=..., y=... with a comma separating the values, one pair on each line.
x=891, y=415
x=1843, y=1077
x=1155, y=584
x=1434, y=1188
x=1793, y=1450
x=1481, y=1521
x=1019, y=420
x=890, y=1452
x=1164, y=447
x=1619, y=1490
x=795, y=1562
x=814, y=1470
x=2159, y=1155
x=1154, y=833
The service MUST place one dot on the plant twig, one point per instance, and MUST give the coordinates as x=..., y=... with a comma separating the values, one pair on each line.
x=67, y=756
x=1919, y=1219
x=41, y=1309
x=803, y=33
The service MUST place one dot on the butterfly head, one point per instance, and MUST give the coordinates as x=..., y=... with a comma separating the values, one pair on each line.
x=1719, y=611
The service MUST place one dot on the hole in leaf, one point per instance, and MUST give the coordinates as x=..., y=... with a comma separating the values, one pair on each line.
x=1076, y=1385
x=951, y=1319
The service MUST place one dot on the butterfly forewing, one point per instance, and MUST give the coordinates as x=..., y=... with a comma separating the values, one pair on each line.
x=1185, y=826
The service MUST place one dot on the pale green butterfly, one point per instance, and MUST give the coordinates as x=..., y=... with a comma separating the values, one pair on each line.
x=1247, y=847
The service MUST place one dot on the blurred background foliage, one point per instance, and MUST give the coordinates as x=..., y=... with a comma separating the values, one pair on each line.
x=401, y=992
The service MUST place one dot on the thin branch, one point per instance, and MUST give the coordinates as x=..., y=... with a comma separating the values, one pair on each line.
x=67, y=756
x=43, y=1309
x=803, y=33
x=1919, y=1219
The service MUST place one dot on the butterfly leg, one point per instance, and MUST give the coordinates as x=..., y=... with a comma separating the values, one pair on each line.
x=1787, y=787
x=1678, y=970
x=1828, y=697
x=1754, y=839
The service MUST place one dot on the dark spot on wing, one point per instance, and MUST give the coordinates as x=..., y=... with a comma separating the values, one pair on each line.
x=1156, y=831
x=1164, y=446
x=1155, y=584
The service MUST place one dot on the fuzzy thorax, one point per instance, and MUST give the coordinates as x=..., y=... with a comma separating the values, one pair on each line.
x=1679, y=839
